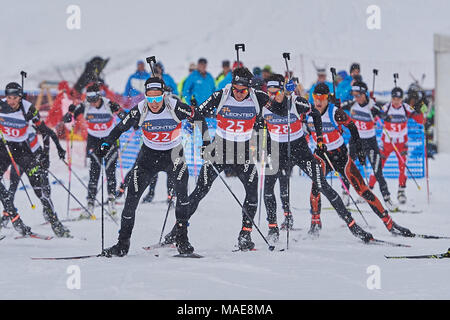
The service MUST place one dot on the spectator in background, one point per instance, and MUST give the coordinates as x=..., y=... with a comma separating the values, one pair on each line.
x=344, y=89
x=258, y=82
x=227, y=80
x=266, y=72
x=321, y=78
x=192, y=67
x=135, y=83
x=168, y=80
x=199, y=84
x=226, y=69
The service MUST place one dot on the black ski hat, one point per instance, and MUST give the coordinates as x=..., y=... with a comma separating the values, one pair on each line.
x=276, y=81
x=355, y=66
x=13, y=89
x=242, y=77
x=321, y=88
x=397, y=92
x=154, y=83
x=359, y=86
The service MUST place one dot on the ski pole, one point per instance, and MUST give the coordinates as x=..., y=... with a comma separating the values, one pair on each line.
x=103, y=215
x=167, y=214
x=237, y=47
x=149, y=61
x=70, y=168
x=400, y=156
x=375, y=73
x=271, y=248
x=84, y=185
x=17, y=169
x=287, y=56
x=92, y=216
x=262, y=173
x=345, y=187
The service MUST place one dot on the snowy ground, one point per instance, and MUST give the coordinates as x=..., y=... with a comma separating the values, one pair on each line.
x=332, y=267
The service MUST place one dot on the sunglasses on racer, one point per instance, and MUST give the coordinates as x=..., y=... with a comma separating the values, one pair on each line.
x=320, y=97
x=155, y=99
x=244, y=91
x=274, y=93
x=93, y=96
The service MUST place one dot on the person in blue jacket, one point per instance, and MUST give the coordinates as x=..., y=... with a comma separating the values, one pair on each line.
x=135, y=83
x=200, y=84
x=168, y=80
x=321, y=78
x=344, y=89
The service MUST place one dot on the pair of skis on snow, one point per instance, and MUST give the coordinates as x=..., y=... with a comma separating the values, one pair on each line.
x=148, y=248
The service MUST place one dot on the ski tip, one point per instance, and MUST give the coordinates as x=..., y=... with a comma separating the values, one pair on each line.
x=188, y=255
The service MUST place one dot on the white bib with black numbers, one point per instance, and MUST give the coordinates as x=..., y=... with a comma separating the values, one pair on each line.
x=13, y=125
x=100, y=120
x=331, y=135
x=278, y=126
x=363, y=119
x=160, y=131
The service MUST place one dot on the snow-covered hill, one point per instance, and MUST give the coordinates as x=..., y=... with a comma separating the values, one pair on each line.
x=331, y=33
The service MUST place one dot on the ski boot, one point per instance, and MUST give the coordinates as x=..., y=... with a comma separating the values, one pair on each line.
x=5, y=219
x=170, y=238
x=388, y=222
x=118, y=250
x=18, y=225
x=401, y=195
x=181, y=239
x=149, y=197
x=90, y=213
x=244, y=240
x=358, y=232
x=112, y=205
x=392, y=207
x=288, y=221
x=274, y=233
x=121, y=190
x=58, y=228
x=401, y=231
x=316, y=225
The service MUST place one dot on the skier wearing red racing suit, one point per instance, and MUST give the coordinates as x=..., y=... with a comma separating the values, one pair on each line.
x=396, y=124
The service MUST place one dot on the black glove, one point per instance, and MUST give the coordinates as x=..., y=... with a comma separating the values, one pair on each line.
x=72, y=108
x=357, y=143
x=61, y=153
x=321, y=147
x=121, y=114
x=114, y=106
x=103, y=149
x=67, y=117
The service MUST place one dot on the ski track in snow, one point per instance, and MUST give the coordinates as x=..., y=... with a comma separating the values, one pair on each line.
x=333, y=266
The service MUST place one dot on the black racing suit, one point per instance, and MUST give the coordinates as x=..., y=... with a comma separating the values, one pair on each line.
x=149, y=162
x=231, y=155
x=26, y=160
x=372, y=151
x=109, y=161
x=302, y=156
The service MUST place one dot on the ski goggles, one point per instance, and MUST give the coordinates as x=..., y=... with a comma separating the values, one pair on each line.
x=320, y=97
x=93, y=96
x=274, y=93
x=244, y=91
x=155, y=99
